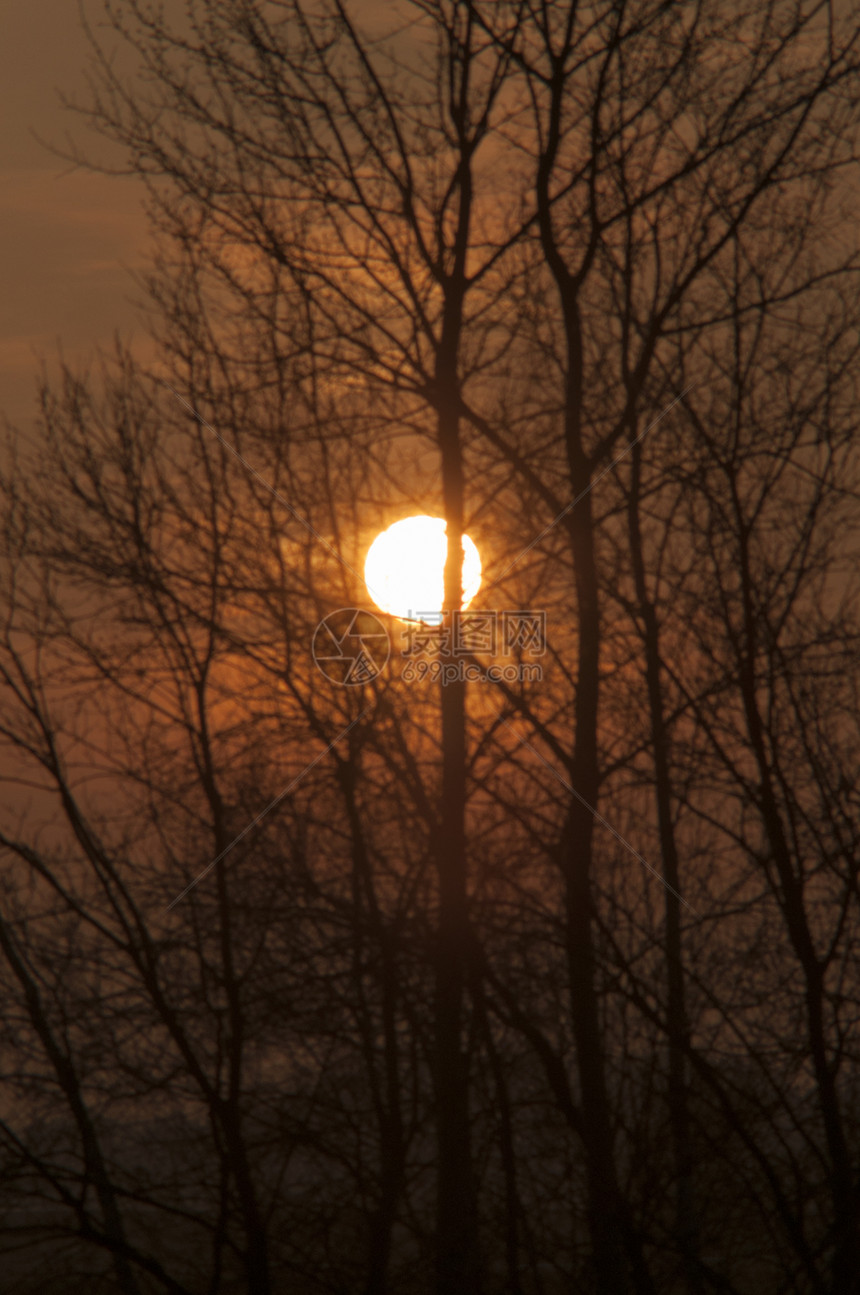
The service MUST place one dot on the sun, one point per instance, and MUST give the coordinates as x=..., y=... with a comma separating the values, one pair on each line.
x=405, y=569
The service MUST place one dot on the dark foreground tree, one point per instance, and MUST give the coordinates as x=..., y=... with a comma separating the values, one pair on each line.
x=521, y=985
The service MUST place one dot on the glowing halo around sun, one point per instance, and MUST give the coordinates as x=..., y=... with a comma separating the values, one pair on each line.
x=405, y=569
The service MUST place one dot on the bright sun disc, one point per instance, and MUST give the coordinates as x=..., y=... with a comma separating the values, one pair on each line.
x=405, y=569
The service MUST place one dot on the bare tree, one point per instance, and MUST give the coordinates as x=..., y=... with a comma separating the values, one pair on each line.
x=534, y=268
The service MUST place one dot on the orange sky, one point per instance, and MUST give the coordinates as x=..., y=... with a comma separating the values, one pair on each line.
x=68, y=237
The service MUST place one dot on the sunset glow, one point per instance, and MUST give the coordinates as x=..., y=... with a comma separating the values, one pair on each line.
x=405, y=569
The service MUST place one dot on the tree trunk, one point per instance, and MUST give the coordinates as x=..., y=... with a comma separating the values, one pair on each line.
x=458, y=1266
x=678, y=1031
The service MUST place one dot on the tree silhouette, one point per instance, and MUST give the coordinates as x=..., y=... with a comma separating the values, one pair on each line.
x=421, y=984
